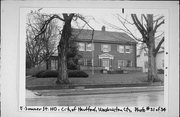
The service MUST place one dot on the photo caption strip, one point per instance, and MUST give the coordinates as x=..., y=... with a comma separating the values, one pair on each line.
x=91, y=109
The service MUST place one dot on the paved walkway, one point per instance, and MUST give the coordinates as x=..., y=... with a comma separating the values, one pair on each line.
x=92, y=91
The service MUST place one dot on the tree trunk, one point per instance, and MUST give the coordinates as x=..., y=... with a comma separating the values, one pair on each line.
x=47, y=64
x=152, y=70
x=62, y=52
x=62, y=65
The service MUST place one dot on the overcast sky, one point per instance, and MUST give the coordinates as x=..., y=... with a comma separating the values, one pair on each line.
x=98, y=17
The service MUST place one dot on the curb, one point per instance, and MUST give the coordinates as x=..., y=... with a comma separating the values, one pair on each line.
x=95, y=91
x=62, y=87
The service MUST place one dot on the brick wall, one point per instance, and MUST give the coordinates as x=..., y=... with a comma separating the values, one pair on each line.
x=117, y=56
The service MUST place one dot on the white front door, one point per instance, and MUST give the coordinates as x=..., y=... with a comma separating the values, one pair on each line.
x=105, y=63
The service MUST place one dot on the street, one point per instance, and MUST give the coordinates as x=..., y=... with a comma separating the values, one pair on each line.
x=155, y=98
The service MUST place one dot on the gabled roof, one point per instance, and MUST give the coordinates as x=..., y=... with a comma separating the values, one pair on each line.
x=102, y=36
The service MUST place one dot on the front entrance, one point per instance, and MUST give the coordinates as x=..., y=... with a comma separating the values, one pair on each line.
x=105, y=63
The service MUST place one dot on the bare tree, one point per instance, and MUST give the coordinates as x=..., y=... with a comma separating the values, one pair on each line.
x=39, y=49
x=147, y=26
x=63, y=44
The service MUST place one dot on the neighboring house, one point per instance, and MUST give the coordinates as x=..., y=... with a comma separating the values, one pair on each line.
x=108, y=50
x=142, y=58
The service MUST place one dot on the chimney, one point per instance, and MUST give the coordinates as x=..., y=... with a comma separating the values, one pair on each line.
x=103, y=28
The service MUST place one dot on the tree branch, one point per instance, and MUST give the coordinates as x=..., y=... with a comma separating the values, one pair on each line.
x=158, y=47
x=126, y=30
x=157, y=25
x=136, y=22
x=141, y=27
x=145, y=18
x=46, y=23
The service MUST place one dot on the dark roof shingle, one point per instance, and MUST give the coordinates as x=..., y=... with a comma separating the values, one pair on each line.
x=104, y=36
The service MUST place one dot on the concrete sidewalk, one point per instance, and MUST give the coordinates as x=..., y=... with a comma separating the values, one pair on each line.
x=94, y=91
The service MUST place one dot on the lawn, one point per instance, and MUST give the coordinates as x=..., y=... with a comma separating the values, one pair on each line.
x=98, y=79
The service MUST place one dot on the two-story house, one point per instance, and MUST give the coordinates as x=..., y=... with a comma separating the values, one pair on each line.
x=107, y=50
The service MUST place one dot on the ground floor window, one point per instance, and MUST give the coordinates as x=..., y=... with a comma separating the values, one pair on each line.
x=145, y=64
x=86, y=62
x=81, y=61
x=54, y=64
x=124, y=63
x=89, y=62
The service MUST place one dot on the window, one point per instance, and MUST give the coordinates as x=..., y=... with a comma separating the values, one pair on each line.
x=145, y=53
x=120, y=63
x=128, y=49
x=146, y=64
x=120, y=48
x=129, y=63
x=88, y=62
x=81, y=61
x=124, y=63
x=81, y=46
x=89, y=47
x=105, y=48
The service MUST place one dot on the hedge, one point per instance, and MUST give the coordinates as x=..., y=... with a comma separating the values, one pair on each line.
x=54, y=73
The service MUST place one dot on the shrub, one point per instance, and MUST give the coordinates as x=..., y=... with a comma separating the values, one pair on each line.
x=77, y=73
x=54, y=73
x=101, y=71
x=119, y=71
x=38, y=74
x=49, y=73
x=160, y=71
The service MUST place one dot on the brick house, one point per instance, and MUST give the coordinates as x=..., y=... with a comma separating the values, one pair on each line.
x=108, y=50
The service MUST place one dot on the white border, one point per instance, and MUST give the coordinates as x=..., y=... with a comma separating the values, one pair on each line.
x=11, y=56
x=24, y=11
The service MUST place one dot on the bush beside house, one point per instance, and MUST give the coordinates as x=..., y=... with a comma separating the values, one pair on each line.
x=54, y=73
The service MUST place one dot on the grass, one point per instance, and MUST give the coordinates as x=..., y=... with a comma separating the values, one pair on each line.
x=96, y=80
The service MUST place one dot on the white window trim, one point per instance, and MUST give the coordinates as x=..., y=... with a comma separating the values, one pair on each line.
x=129, y=48
x=79, y=47
x=118, y=48
x=92, y=47
x=108, y=46
x=119, y=63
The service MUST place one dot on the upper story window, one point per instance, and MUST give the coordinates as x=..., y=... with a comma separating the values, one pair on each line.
x=105, y=47
x=120, y=48
x=124, y=49
x=127, y=49
x=89, y=47
x=81, y=46
x=145, y=54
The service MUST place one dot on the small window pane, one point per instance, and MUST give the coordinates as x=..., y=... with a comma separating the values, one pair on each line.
x=89, y=62
x=120, y=63
x=81, y=46
x=121, y=49
x=105, y=48
x=129, y=63
x=128, y=49
x=89, y=47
